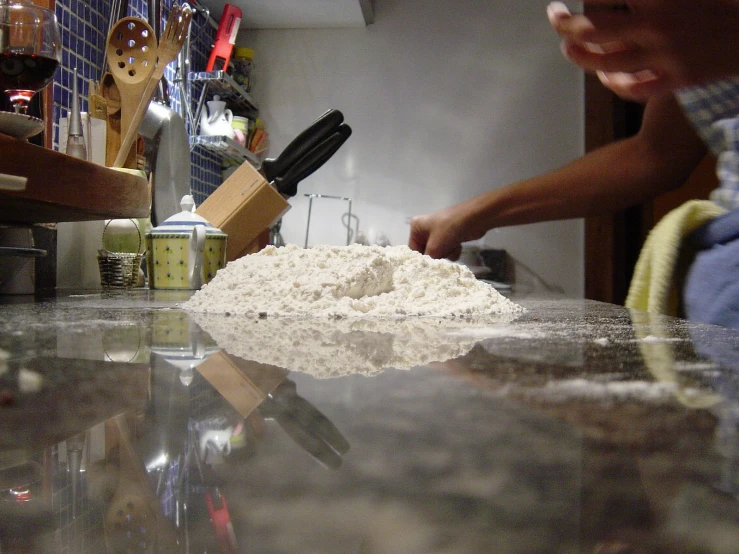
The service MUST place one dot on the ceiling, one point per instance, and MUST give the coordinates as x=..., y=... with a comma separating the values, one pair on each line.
x=282, y=14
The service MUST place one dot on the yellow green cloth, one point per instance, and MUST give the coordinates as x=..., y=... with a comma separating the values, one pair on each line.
x=654, y=284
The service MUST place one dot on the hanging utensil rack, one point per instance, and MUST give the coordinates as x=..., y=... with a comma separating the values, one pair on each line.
x=226, y=148
x=239, y=101
x=222, y=84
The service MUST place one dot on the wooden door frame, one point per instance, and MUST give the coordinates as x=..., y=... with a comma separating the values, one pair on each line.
x=612, y=242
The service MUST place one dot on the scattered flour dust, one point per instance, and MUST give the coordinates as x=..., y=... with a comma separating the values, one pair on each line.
x=346, y=282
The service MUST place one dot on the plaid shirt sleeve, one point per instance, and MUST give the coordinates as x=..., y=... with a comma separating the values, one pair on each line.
x=714, y=111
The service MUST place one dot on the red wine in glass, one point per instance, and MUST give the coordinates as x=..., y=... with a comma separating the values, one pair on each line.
x=21, y=75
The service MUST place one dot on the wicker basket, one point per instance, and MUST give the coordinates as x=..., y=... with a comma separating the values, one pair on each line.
x=119, y=270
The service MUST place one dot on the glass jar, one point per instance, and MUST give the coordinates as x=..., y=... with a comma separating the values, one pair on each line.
x=243, y=62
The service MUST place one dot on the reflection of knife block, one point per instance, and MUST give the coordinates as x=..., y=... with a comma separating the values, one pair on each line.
x=243, y=383
x=243, y=207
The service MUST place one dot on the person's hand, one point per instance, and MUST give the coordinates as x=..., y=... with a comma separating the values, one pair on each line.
x=641, y=48
x=439, y=234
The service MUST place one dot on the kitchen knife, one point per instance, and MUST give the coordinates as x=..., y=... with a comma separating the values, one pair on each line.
x=321, y=128
x=287, y=184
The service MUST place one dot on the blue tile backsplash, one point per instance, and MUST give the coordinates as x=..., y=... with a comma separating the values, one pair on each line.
x=84, y=26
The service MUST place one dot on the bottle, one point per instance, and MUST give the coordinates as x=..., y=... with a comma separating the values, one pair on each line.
x=243, y=63
x=75, y=138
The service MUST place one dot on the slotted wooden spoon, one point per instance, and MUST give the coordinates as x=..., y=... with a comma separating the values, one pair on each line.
x=170, y=45
x=131, y=55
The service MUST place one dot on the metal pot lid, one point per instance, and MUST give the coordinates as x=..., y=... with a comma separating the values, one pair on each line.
x=184, y=221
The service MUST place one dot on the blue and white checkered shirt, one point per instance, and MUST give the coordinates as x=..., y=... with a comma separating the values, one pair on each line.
x=714, y=111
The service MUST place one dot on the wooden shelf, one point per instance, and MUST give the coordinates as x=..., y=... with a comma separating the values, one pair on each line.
x=63, y=188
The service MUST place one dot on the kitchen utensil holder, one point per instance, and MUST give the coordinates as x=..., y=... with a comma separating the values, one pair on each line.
x=120, y=270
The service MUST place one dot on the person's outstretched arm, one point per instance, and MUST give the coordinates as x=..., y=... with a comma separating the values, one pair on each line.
x=659, y=158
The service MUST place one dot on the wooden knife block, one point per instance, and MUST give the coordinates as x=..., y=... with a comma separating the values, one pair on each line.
x=243, y=207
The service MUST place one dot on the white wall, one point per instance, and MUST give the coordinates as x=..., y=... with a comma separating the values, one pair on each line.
x=446, y=99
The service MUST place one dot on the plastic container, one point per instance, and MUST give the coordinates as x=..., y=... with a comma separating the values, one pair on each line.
x=243, y=62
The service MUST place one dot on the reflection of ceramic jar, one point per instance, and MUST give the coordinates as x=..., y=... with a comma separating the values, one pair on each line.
x=181, y=342
x=185, y=251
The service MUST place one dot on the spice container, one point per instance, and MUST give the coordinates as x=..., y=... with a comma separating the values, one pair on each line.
x=243, y=62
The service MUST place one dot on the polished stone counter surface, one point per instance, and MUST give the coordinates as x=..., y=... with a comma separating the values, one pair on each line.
x=128, y=425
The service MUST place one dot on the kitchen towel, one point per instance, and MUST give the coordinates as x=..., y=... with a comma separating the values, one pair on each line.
x=655, y=285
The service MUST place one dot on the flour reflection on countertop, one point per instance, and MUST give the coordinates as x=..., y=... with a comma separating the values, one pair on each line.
x=568, y=390
x=328, y=348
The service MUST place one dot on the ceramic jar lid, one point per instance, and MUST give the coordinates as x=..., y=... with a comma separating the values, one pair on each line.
x=184, y=221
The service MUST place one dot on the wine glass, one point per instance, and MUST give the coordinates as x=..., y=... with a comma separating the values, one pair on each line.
x=30, y=50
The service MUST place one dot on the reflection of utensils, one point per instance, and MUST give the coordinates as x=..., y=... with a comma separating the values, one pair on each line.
x=216, y=439
x=249, y=386
x=131, y=55
x=133, y=521
x=305, y=424
x=167, y=50
x=75, y=448
x=23, y=484
x=221, y=518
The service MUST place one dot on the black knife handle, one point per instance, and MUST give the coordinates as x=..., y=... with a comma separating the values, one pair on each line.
x=287, y=184
x=300, y=145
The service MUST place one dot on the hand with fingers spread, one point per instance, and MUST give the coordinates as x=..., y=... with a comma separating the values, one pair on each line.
x=640, y=48
x=440, y=234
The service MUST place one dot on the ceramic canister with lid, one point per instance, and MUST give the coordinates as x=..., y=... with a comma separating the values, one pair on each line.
x=185, y=251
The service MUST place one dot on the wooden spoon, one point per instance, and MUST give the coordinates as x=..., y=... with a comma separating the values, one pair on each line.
x=112, y=96
x=96, y=103
x=131, y=55
x=133, y=520
x=169, y=47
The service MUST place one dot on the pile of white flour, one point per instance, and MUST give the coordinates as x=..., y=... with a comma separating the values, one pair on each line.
x=347, y=281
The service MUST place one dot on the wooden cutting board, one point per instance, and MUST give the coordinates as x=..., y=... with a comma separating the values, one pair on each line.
x=63, y=188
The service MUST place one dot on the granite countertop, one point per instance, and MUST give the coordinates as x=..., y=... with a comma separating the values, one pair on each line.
x=127, y=424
